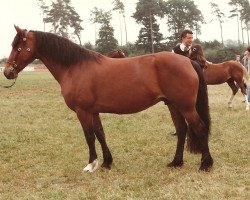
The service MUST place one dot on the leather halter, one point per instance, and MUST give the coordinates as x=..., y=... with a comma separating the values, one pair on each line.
x=13, y=65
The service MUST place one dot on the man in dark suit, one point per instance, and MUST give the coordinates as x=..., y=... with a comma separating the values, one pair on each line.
x=183, y=48
x=186, y=42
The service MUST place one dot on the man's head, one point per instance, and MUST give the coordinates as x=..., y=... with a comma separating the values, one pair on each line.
x=248, y=49
x=187, y=37
x=237, y=58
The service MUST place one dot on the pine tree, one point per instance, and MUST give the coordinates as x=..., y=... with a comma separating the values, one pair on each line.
x=63, y=17
x=180, y=15
x=106, y=41
x=219, y=16
x=145, y=14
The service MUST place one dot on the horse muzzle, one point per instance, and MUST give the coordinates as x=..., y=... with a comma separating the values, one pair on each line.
x=10, y=72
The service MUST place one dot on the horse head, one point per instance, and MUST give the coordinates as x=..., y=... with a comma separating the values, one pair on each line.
x=196, y=53
x=116, y=54
x=22, y=53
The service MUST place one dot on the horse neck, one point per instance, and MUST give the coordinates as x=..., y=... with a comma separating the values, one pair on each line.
x=55, y=69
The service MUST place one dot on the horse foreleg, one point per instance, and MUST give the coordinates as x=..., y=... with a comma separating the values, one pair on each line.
x=181, y=130
x=107, y=157
x=86, y=120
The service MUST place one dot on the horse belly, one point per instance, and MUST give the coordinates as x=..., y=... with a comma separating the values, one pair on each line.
x=127, y=101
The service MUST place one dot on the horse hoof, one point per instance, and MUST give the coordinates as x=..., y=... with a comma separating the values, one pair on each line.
x=91, y=167
x=106, y=166
x=206, y=164
x=205, y=168
x=175, y=164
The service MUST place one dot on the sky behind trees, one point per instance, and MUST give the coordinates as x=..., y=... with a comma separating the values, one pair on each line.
x=27, y=14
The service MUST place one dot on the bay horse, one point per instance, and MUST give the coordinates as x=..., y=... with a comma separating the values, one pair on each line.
x=92, y=83
x=116, y=54
x=231, y=72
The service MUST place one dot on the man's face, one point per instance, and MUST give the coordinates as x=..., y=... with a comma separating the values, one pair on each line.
x=188, y=39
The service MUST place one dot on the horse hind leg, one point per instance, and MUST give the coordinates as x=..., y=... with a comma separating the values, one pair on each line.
x=248, y=97
x=197, y=139
x=247, y=103
x=181, y=130
x=243, y=87
x=234, y=89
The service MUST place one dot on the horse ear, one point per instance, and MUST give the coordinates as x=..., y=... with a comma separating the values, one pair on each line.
x=18, y=30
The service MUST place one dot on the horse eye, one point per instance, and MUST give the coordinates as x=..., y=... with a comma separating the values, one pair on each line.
x=194, y=49
x=28, y=49
x=19, y=49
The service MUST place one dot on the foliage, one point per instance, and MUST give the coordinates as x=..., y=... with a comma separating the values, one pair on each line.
x=89, y=46
x=63, y=17
x=241, y=10
x=106, y=41
x=180, y=15
x=119, y=6
x=149, y=38
x=219, y=16
x=216, y=52
x=144, y=39
x=3, y=60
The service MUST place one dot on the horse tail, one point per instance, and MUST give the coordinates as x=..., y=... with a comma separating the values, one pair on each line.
x=194, y=142
x=246, y=77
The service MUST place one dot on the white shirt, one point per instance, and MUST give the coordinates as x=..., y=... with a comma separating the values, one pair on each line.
x=182, y=47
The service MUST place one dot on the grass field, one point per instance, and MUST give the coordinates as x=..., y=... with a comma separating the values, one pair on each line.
x=43, y=151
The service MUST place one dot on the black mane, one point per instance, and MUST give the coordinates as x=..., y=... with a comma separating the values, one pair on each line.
x=63, y=50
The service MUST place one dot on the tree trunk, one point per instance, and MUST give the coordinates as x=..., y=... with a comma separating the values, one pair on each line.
x=120, y=29
x=125, y=26
x=238, y=29
x=152, y=34
x=242, y=32
x=78, y=36
x=95, y=34
x=221, y=33
x=247, y=35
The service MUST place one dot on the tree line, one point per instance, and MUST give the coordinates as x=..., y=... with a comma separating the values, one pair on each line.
x=177, y=14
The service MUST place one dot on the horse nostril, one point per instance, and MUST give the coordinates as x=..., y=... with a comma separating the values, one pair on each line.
x=9, y=73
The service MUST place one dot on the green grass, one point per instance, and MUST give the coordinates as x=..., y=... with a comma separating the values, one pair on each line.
x=43, y=150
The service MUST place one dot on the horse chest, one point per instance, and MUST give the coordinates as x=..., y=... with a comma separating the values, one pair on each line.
x=78, y=97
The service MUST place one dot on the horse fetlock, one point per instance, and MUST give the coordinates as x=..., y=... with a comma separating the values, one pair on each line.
x=106, y=165
x=206, y=163
x=91, y=167
x=230, y=104
x=175, y=163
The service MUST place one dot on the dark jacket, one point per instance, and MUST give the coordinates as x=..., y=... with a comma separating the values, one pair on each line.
x=178, y=50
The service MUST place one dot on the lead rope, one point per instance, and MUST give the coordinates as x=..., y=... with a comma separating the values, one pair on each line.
x=9, y=86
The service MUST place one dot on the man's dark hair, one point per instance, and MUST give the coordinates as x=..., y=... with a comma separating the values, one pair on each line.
x=185, y=32
x=248, y=48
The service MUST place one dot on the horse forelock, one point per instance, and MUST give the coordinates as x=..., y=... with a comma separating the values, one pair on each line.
x=62, y=50
x=16, y=40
